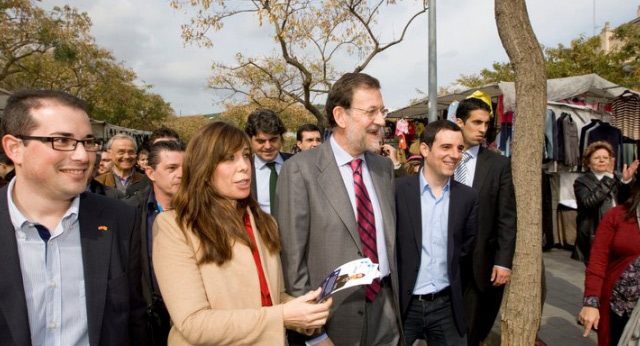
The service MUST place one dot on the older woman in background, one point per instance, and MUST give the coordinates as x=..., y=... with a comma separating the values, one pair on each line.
x=597, y=191
x=216, y=256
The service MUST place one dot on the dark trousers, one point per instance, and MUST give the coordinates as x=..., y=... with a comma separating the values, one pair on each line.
x=481, y=310
x=432, y=321
x=616, y=326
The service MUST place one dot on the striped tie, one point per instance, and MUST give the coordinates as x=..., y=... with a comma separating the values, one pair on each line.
x=366, y=224
x=460, y=174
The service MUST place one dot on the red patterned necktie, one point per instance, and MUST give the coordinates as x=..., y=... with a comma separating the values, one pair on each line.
x=366, y=223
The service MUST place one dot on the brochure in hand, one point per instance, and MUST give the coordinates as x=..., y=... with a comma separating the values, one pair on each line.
x=355, y=273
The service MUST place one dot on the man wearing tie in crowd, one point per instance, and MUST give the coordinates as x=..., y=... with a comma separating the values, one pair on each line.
x=69, y=259
x=265, y=129
x=335, y=204
x=488, y=173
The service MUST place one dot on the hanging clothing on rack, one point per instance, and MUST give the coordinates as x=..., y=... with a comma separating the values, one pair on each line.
x=626, y=114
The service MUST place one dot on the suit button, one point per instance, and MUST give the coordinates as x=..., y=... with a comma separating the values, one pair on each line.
x=360, y=313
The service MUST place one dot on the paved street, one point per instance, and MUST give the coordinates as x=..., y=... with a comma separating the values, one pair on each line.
x=565, y=283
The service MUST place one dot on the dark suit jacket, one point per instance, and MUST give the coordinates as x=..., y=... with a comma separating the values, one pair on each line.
x=463, y=225
x=254, y=186
x=497, y=222
x=115, y=308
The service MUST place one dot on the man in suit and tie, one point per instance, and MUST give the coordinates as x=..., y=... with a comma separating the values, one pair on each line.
x=69, y=260
x=265, y=129
x=335, y=204
x=437, y=225
x=488, y=173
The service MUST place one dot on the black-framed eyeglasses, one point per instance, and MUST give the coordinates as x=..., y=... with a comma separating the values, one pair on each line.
x=371, y=113
x=66, y=143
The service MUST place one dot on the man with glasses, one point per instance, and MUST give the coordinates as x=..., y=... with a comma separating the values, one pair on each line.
x=69, y=260
x=122, y=149
x=335, y=204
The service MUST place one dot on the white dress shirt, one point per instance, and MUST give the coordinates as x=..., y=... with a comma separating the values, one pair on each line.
x=53, y=278
x=471, y=164
x=263, y=173
x=342, y=159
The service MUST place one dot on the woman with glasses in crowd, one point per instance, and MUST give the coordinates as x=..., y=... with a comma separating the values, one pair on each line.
x=216, y=255
x=597, y=191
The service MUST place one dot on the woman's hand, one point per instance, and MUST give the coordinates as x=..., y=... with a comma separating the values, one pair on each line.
x=304, y=313
x=630, y=171
x=589, y=317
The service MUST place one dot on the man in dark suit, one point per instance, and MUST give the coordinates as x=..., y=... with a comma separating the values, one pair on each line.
x=165, y=174
x=490, y=174
x=265, y=129
x=69, y=260
x=335, y=204
x=436, y=226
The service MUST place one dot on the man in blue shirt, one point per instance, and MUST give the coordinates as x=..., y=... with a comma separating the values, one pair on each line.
x=436, y=228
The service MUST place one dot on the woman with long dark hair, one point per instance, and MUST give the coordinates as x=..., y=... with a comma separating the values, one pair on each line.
x=612, y=278
x=216, y=255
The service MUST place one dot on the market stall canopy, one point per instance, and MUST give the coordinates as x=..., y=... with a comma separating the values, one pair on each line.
x=558, y=89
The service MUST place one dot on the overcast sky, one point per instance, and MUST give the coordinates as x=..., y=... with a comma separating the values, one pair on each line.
x=145, y=35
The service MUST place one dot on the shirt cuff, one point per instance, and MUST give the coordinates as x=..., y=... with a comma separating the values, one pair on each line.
x=592, y=301
x=316, y=340
x=397, y=166
x=501, y=267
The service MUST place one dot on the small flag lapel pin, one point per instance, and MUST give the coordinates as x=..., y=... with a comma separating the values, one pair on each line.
x=103, y=228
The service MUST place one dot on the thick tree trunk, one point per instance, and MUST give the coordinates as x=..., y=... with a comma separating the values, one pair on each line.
x=521, y=308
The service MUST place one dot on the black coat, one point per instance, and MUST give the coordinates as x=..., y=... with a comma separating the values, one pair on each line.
x=594, y=197
x=463, y=226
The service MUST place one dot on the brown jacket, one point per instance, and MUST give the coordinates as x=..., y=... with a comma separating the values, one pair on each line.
x=216, y=304
x=107, y=179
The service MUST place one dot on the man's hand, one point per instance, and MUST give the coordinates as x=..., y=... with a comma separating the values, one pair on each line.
x=500, y=276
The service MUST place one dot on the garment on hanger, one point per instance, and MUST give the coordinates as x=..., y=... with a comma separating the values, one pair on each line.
x=626, y=114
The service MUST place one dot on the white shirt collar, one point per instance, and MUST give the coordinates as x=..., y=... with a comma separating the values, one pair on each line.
x=341, y=155
x=259, y=163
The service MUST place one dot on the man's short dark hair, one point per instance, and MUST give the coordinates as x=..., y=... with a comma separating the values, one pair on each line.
x=341, y=93
x=467, y=106
x=307, y=128
x=265, y=121
x=156, y=149
x=18, y=120
x=5, y=159
x=163, y=132
x=428, y=136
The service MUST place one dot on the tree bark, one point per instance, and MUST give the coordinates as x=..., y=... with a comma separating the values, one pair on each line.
x=521, y=309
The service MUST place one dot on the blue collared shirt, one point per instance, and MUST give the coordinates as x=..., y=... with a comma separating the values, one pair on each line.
x=263, y=173
x=53, y=278
x=434, y=274
x=342, y=160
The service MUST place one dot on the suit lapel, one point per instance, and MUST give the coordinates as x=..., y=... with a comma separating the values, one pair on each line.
x=412, y=195
x=13, y=304
x=385, y=199
x=482, y=169
x=96, y=233
x=331, y=183
x=454, y=218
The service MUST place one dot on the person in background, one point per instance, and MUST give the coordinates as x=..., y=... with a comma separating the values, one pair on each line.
x=219, y=273
x=165, y=173
x=105, y=163
x=613, y=273
x=265, y=129
x=308, y=136
x=412, y=166
x=142, y=161
x=7, y=171
x=122, y=150
x=598, y=190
